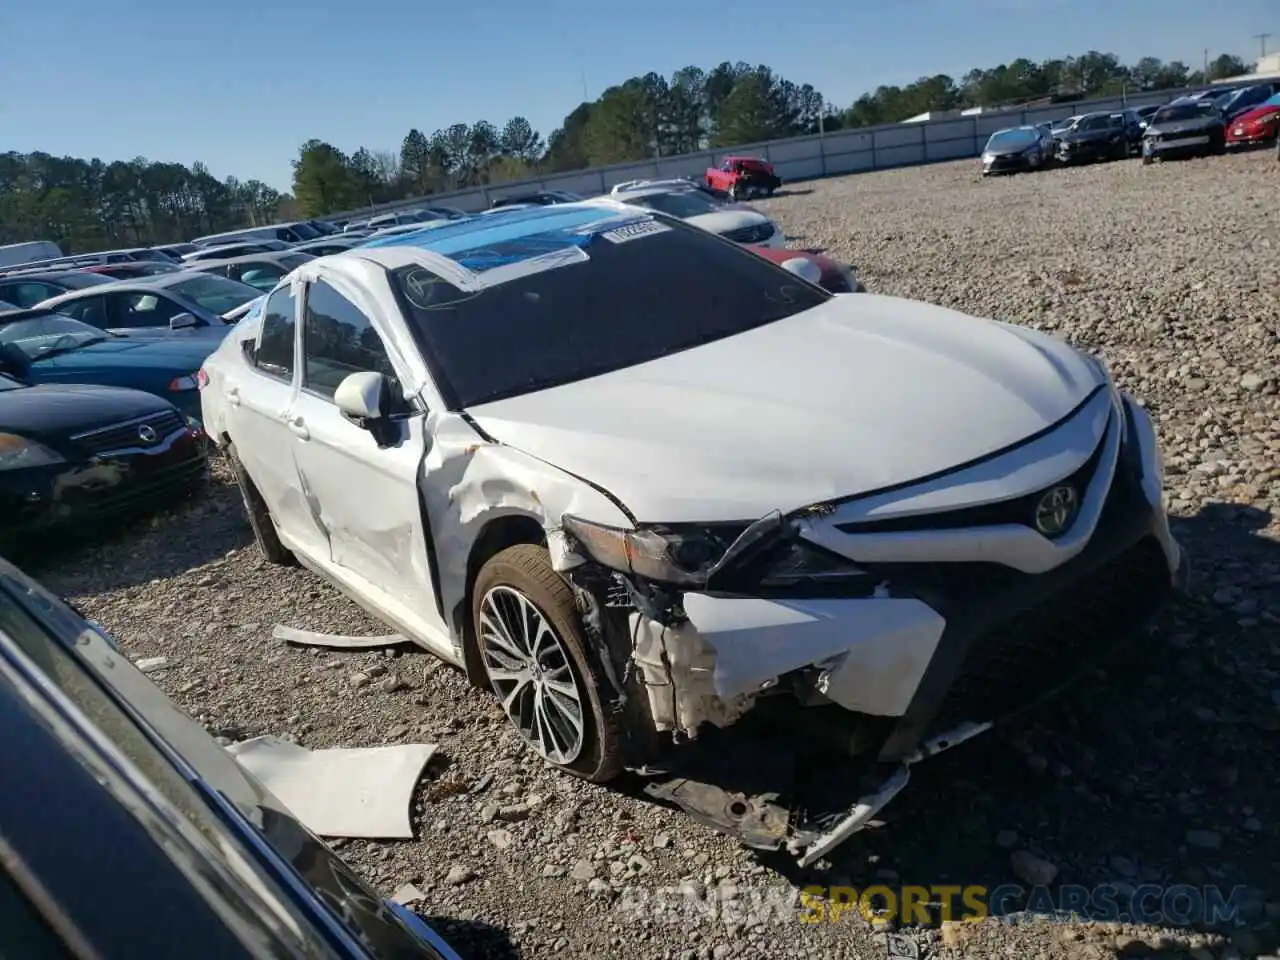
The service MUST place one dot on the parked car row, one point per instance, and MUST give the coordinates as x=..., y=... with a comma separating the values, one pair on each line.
x=1206, y=123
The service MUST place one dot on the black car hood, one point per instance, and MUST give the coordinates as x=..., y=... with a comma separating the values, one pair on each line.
x=1089, y=136
x=360, y=910
x=53, y=412
x=1196, y=125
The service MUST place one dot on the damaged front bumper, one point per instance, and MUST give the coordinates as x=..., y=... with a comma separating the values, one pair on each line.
x=833, y=699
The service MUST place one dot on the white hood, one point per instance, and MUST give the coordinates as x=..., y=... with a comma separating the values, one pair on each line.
x=731, y=218
x=855, y=395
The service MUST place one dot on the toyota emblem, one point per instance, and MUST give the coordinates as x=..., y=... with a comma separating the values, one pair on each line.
x=147, y=433
x=1056, y=510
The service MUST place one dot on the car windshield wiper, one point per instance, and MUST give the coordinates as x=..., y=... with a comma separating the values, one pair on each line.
x=57, y=351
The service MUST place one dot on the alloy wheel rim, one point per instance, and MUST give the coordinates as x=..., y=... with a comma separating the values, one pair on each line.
x=532, y=674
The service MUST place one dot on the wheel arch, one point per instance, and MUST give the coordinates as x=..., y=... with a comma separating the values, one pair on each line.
x=496, y=535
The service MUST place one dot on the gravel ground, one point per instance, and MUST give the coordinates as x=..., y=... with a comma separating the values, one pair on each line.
x=1162, y=771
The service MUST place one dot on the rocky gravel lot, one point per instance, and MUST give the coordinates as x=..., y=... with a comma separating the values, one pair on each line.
x=1163, y=770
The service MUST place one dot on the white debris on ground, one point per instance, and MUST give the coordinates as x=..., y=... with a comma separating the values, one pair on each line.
x=1172, y=272
x=334, y=641
x=343, y=792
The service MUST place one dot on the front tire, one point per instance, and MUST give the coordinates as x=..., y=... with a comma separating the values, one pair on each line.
x=530, y=639
x=264, y=528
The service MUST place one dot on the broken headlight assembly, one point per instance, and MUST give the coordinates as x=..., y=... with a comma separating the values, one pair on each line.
x=765, y=556
x=680, y=557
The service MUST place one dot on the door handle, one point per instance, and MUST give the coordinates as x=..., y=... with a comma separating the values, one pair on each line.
x=298, y=427
x=233, y=397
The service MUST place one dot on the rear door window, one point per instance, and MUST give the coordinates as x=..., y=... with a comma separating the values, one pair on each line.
x=27, y=293
x=140, y=310
x=274, y=354
x=90, y=310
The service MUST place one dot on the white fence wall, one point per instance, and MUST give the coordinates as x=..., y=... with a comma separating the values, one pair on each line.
x=800, y=158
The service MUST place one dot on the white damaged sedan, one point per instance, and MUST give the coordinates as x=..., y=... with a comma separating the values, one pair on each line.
x=688, y=514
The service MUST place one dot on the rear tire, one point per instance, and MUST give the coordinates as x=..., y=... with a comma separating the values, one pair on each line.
x=530, y=639
x=264, y=528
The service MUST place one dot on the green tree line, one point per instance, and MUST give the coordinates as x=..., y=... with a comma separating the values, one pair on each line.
x=91, y=204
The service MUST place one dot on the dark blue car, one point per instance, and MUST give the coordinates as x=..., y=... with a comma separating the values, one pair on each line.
x=39, y=346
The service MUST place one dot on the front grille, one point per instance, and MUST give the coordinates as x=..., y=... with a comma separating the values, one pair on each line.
x=1034, y=651
x=1018, y=511
x=1184, y=135
x=126, y=436
x=756, y=234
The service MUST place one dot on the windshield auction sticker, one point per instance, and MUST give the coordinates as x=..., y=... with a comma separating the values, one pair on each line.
x=634, y=231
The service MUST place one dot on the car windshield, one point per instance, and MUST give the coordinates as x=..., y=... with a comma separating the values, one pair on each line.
x=78, y=280
x=41, y=337
x=306, y=231
x=293, y=261
x=1100, y=122
x=1176, y=113
x=1004, y=139
x=678, y=203
x=583, y=299
x=215, y=294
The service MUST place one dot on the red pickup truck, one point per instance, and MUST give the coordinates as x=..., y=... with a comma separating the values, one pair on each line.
x=742, y=177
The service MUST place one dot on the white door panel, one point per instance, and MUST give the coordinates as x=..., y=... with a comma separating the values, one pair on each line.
x=367, y=499
x=257, y=420
x=364, y=497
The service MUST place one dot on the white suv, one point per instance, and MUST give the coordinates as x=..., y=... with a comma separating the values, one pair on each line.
x=646, y=485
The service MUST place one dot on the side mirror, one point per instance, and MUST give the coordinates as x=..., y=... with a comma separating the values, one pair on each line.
x=362, y=397
x=183, y=321
x=365, y=400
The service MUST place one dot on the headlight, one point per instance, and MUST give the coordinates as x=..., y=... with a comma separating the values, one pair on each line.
x=681, y=558
x=190, y=382
x=686, y=557
x=988, y=157
x=18, y=453
x=797, y=563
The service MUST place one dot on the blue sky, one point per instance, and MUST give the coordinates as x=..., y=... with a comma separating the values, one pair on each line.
x=240, y=84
